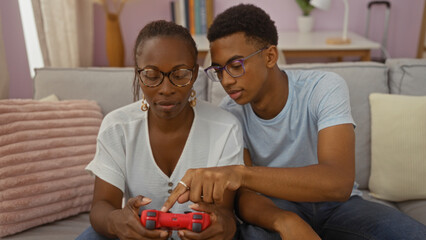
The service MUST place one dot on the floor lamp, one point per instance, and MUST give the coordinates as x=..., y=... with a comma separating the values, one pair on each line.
x=324, y=5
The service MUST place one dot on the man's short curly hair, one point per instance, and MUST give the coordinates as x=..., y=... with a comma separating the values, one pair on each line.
x=160, y=28
x=254, y=22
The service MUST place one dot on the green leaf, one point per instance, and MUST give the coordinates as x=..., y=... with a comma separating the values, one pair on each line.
x=305, y=7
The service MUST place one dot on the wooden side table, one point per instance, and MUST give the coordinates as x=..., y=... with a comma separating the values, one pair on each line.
x=313, y=44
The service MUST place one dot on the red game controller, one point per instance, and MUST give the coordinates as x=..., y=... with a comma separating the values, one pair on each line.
x=194, y=221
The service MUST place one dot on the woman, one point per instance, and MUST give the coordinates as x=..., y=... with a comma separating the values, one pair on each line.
x=145, y=148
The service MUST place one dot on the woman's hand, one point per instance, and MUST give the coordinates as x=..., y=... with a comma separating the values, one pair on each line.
x=125, y=223
x=222, y=224
x=206, y=185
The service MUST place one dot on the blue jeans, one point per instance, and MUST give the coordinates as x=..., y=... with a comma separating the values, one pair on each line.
x=91, y=234
x=354, y=219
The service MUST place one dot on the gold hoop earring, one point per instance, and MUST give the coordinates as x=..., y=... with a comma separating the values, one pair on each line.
x=144, y=106
x=193, y=98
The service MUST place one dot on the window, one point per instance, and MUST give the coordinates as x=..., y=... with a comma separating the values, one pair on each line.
x=32, y=44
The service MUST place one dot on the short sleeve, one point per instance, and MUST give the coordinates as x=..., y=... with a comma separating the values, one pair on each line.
x=109, y=161
x=330, y=103
x=229, y=105
x=232, y=153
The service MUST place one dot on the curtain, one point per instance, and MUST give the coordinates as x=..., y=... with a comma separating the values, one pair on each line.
x=4, y=75
x=65, y=30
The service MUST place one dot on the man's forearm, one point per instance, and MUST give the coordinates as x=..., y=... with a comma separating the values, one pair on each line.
x=260, y=210
x=303, y=184
x=331, y=179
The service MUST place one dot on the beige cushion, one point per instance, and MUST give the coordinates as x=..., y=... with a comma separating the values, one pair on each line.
x=44, y=147
x=50, y=98
x=398, y=143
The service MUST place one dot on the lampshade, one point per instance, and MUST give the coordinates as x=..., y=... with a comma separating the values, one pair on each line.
x=321, y=4
x=324, y=5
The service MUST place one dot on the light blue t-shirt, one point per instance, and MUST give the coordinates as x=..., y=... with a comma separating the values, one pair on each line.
x=316, y=100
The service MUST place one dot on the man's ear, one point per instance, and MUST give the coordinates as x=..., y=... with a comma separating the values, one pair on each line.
x=271, y=54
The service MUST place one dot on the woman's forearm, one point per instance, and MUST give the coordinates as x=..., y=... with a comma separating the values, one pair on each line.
x=99, y=217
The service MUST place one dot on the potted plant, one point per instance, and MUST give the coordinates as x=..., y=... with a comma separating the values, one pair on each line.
x=305, y=22
x=305, y=6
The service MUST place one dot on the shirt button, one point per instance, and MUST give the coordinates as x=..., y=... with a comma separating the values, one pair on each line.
x=170, y=184
x=170, y=191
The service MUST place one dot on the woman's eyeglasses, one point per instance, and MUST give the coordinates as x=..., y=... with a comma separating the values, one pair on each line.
x=153, y=77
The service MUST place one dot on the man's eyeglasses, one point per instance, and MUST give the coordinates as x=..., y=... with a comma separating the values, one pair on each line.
x=234, y=69
x=178, y=77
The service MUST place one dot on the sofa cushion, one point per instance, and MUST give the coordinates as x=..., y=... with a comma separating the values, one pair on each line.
x=415, y=209
x=50, y=98
x=44, y=148
x=407, y=76
x=68, y=229
x=111, y=88
x=398, y=146
x=363, y=78
x=366, y=196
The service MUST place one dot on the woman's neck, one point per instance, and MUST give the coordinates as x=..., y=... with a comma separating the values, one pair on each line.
x=183, y=121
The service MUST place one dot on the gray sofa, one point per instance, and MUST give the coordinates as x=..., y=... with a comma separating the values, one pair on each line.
x=111, y=88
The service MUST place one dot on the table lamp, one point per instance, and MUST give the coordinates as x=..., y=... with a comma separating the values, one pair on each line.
x=324, y=5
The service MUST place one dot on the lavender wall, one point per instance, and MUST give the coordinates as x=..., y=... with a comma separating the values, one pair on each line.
x=403, y=34
x=20, y=82
x=402, y=38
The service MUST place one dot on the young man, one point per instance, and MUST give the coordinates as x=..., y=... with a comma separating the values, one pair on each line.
x=299, y=144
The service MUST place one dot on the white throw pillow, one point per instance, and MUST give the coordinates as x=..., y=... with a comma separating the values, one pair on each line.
x=398, y=147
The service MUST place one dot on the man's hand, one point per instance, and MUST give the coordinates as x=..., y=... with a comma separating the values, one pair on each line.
x=222, y=223
x=125, y=223
x=206, y=185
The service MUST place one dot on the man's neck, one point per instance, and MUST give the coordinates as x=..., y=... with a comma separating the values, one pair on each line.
x=273, y=95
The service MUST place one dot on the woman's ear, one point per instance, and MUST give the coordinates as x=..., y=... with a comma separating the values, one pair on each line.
x=195, y=73
x=271, y=56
